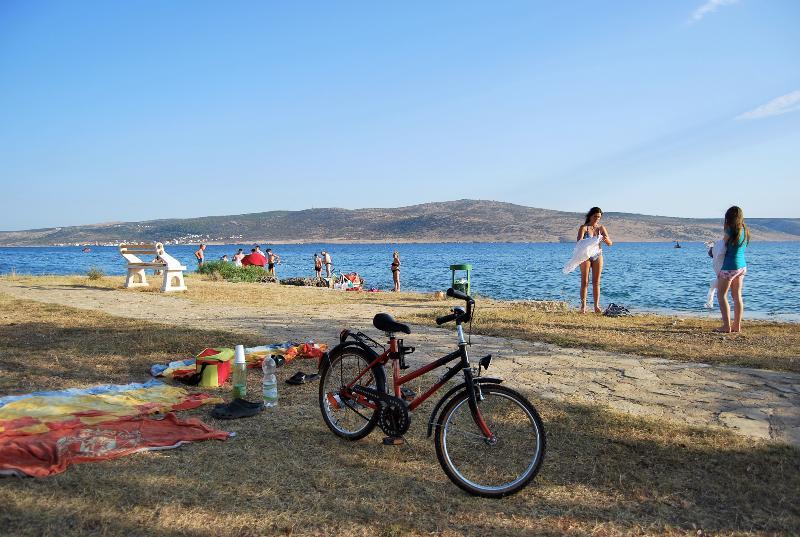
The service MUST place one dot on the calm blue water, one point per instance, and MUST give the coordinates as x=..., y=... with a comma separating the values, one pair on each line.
x=642, y=276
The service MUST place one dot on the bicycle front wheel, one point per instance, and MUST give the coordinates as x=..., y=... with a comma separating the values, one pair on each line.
x=490, y=468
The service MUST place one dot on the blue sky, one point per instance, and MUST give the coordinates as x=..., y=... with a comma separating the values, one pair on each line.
x=118, y=111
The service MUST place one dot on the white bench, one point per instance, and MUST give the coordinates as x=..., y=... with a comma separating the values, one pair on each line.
x=163, y=263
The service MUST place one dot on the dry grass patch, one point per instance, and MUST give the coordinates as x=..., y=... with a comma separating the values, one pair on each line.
x=285, y=473
x=203, y=289
x=762, y=344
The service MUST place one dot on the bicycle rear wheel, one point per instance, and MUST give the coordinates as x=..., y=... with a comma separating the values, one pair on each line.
x=343, y=415
x=486, y=468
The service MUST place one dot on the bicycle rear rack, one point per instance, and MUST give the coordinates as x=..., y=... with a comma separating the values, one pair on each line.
x=368, y=341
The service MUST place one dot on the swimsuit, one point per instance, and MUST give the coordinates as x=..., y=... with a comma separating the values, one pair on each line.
x=732, y=274
x=597, y=255
x=734, y=255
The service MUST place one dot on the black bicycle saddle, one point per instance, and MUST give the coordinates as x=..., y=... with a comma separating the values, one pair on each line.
x=385, y=323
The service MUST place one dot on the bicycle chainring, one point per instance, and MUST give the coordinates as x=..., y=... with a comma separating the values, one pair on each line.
x=393, y=419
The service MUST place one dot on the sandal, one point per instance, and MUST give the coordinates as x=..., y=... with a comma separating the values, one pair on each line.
x=238, y=408
x=301, y=378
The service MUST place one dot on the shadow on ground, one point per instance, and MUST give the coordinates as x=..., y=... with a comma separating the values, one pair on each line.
x=285, y=473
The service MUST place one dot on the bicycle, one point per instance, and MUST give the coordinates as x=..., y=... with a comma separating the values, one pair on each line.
x=489, y=439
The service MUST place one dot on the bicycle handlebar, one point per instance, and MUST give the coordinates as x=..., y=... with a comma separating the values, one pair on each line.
x=458, y=315
x=458, y=294
x=446, y=318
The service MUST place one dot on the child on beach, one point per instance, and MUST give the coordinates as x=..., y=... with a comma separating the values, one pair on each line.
x=734, y=267
x=272, y=260
x=317, y=265
x=200, y=255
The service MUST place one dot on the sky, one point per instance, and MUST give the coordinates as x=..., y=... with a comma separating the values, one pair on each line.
x=129, y=111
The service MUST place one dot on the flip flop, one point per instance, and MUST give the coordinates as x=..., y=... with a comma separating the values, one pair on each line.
x=238, y=408
x=301, y=378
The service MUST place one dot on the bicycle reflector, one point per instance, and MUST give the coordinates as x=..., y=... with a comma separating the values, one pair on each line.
x=334, y=400
x=343, y=335
x=485, y=361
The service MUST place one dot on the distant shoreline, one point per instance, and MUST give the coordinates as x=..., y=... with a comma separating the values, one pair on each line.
x=460, y=221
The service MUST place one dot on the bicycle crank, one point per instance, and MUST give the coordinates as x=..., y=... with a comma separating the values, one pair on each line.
x=393, y=417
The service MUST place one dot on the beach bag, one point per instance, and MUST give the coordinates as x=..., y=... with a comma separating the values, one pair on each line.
x=616, y=310
x=213, y=367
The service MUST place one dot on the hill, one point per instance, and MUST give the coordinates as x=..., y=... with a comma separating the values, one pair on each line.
x=452, y=221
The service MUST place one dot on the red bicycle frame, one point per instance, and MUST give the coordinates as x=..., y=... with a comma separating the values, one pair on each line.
x=394, y=354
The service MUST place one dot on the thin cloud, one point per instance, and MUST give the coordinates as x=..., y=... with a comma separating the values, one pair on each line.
x=709, y=7
x=777, y=106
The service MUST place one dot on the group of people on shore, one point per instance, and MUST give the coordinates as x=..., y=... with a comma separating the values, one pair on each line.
x=730, y=278
x=269, y=259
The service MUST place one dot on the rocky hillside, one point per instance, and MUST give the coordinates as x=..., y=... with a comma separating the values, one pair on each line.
x=452, y=221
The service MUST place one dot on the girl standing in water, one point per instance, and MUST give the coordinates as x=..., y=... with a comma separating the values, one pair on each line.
x=734, y=267
x=592, y=228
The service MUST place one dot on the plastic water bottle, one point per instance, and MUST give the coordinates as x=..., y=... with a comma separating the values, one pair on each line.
x=270, y=383
x=239, y=373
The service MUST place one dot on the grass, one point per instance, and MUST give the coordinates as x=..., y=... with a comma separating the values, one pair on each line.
x=763, y=344
x=202, y=288
x=285, y=474
x=227, y=271
x=95, y=273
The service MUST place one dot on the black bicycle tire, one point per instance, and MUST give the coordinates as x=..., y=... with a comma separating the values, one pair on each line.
x=438, y=441
x=380, y=381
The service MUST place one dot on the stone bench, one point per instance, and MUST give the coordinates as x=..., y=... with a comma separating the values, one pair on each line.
x=163, y=263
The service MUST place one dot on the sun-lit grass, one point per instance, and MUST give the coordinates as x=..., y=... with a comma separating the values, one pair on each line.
x=762, y=344
x=285, y=473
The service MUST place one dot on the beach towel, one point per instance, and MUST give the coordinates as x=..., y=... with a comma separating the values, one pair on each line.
x=51, y=452
x=584, y=249
x=40, y=412
x=718, y=256
x=42, y=433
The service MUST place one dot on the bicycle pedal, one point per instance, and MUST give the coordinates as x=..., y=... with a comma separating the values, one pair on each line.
x=407, y=393
x=394, y=441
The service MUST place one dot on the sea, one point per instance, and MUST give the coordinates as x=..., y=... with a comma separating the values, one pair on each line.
x=645, y=277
